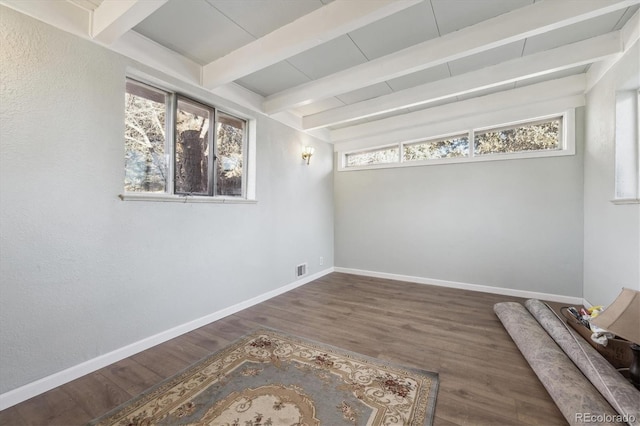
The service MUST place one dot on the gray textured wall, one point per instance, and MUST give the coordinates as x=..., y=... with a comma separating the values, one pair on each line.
x=84, y=273
x=513, y=224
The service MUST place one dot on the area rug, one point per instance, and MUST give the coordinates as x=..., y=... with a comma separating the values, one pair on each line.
x=269, y=378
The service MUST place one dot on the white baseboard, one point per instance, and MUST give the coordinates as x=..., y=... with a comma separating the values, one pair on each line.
x=466, y=286
x=32, y=389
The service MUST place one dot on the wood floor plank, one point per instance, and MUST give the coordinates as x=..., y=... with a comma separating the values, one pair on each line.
x=55, y=407
x=205, y=339
x=162, y=360
x=131, y=376
x=484, y=379
x=82, y=391
x=533, y=413
x=11, y=417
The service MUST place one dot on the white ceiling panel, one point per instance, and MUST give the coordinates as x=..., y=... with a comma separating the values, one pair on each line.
x=573, y=33
x=328, y=58
x=452, y=15
x=420, y=77
x=403, y=29
x=194, y=29
x=365, y=93
x=273, y=79
x=485, y=59
x=260, y=17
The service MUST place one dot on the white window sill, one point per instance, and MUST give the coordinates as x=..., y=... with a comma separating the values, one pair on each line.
x=620, y=201
x=170, y=198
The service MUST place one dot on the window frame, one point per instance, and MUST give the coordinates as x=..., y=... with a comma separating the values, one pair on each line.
x=371, y=150
x=435, y=140
x=567, y=145
x=490, y=129
x=172, y=96
x=627, y=148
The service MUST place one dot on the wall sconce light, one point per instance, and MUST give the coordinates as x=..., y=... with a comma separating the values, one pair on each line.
x=307, y=152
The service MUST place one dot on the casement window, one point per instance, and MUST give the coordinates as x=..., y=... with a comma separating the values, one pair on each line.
x=548, y=136
x=178, y=147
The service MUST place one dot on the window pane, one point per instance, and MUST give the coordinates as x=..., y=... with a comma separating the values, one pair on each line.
x=443, y=148
x=378, y=156
x=528, y=137
x=192, y=148
x=144, y=153
x=627, y=181
x=230, y=142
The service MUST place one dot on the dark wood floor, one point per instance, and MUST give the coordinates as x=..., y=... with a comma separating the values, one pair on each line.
x=484, y=380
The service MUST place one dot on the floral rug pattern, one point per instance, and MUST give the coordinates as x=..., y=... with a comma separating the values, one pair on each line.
x=269, y=378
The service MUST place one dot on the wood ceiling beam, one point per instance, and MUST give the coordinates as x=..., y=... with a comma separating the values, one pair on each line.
x=548, y=90
x=546, y=62
x=318, y=27
x=516, y=25
x=113, y=18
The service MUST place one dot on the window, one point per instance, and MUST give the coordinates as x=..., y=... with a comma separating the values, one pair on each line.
x=545, y=137
x=145, y=139
x=193, y=149
x=177, y=146
x=230, y=133
x=537, y=136
x=627, y=147
x=457, y=146
x=376, y=156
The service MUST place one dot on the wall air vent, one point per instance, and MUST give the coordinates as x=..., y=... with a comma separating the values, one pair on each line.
x=301, y=270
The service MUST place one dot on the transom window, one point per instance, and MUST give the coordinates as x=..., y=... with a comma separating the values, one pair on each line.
x=375, y=156
x=536, y=138
x=175, y=145
x=452, y=147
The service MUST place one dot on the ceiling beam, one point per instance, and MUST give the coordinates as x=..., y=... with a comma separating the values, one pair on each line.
x=539, y=92
x=546, y=62
x=629, y=34
x=457, y=125
x=139, y=48
x=518, y=24
x=318, y=27
x=113, y=18
x=240, y=95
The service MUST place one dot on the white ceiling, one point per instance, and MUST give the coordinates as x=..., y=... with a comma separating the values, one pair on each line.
x=324, y=66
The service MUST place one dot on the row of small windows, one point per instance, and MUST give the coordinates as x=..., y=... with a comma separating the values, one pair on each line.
x=531, y=137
